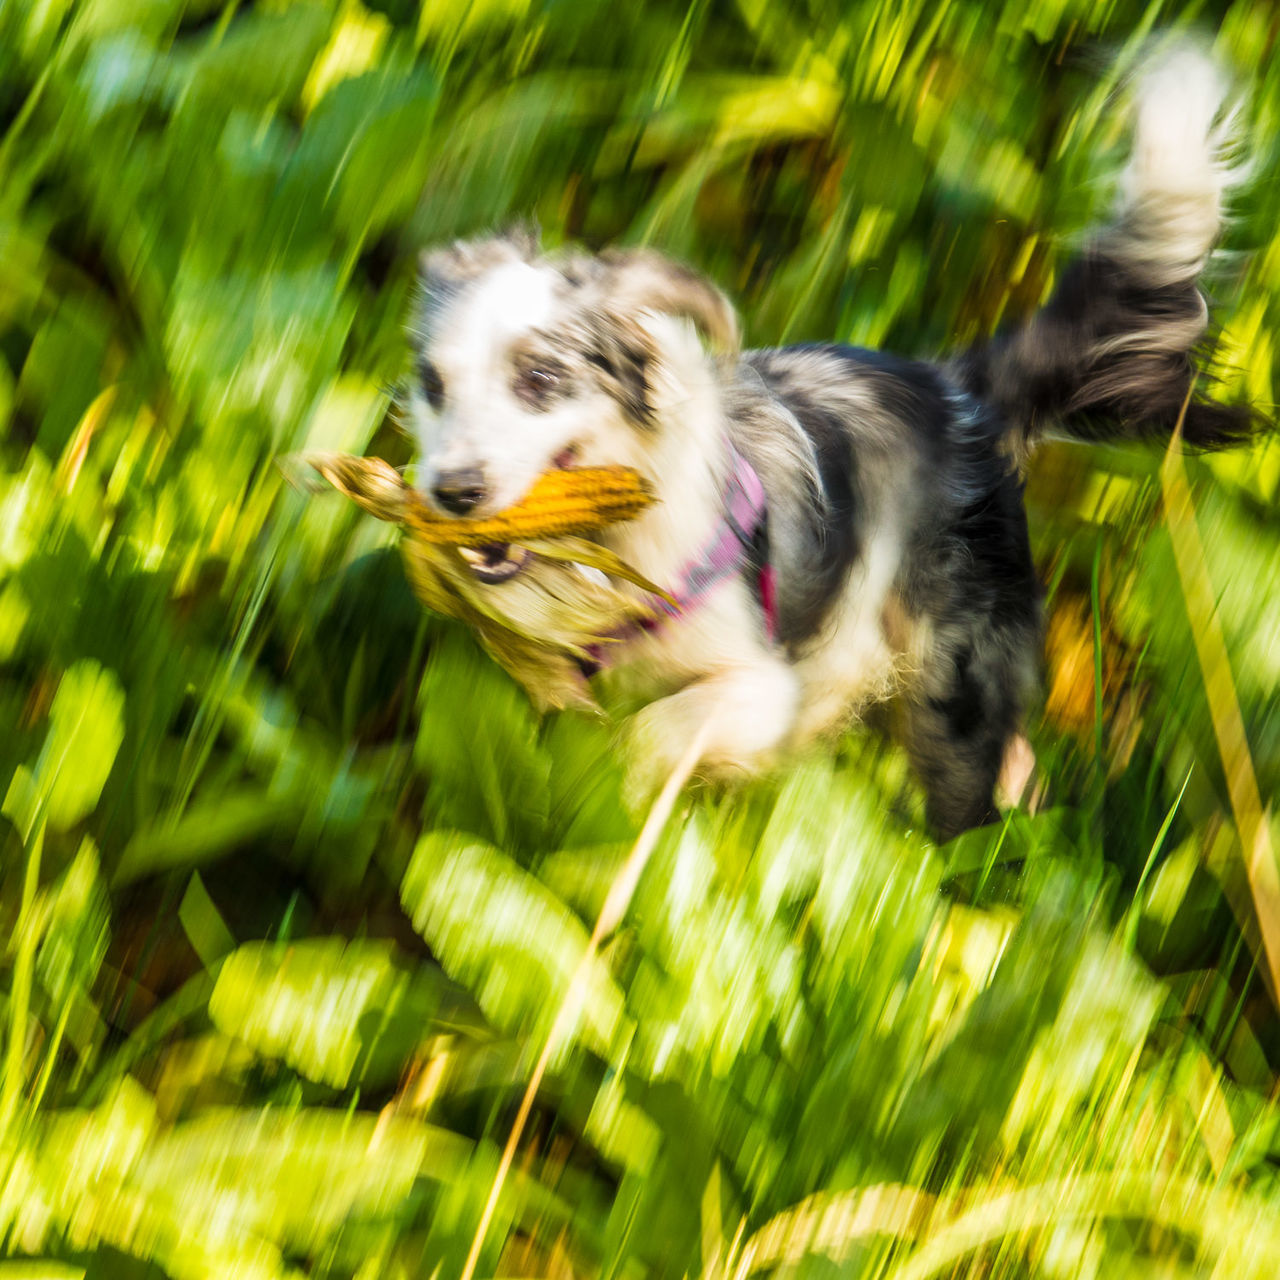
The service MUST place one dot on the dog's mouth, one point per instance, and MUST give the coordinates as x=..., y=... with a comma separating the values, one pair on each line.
x=497, y=561
x=501, y=561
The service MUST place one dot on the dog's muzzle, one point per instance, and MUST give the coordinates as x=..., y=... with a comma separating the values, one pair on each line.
x=502, y=561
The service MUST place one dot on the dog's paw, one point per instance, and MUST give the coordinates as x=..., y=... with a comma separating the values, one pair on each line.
x=1017, y=770
x=738, y=719
x=650, y=749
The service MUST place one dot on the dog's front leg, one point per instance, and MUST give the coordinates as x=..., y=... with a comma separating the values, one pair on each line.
x=747, y=709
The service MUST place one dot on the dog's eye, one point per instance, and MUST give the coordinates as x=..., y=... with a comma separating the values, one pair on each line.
x=538, y=385
x=431, y=383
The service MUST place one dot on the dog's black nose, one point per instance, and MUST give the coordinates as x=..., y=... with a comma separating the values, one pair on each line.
x=459, y=491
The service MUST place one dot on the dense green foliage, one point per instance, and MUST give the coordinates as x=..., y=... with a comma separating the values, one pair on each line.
x=294, y=882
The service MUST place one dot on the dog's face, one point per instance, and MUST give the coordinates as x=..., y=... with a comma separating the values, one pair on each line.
x=525, y=363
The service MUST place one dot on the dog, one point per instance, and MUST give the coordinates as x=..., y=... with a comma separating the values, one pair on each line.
x=839, y=526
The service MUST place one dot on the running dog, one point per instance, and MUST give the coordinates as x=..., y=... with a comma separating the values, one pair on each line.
x=838, y=526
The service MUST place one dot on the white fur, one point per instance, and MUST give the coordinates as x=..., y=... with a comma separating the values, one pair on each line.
x=482, y=423
x=1172, y=189
x=688, y=464
x=858, y=664
x=723, y=670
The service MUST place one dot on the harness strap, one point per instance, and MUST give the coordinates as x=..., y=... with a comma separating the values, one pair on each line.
x=739, y=542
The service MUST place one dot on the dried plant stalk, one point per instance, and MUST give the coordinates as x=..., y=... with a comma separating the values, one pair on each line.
x=561, y=502
x=543, y=623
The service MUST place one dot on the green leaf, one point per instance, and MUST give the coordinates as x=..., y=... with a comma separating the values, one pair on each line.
x=478, y=744
x=203, y=923
x=229, y=1189
x=264, y=57
x=207, y=830
x=76, y=934
x=110, y=1139
x=508, y=939
x=289, y=1177
x=40, y=1269
x=337, y=1012
x=86, y=727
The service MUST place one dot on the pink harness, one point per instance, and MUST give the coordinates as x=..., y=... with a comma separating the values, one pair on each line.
x=738, y=542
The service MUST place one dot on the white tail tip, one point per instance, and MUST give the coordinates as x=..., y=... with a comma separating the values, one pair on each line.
x=1172, y=189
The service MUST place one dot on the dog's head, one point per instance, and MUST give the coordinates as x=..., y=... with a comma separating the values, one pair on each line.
x=526, y=362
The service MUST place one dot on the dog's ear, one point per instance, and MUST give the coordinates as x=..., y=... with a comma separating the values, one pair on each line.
x=641, y=280
x=626, y=284
x=445, y=269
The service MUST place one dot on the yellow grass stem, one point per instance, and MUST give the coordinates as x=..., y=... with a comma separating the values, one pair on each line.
x=615, y=906
x=1252, y=822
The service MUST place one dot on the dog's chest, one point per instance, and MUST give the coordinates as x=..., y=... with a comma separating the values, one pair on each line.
x=725, y=630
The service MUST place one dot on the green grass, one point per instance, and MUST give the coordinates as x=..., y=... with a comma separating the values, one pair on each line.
x=295, y=887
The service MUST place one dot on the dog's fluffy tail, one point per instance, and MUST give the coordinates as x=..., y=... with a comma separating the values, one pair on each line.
x=1112, y=353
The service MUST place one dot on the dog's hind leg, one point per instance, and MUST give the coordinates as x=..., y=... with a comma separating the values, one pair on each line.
x=748, y=708
x=959, y=727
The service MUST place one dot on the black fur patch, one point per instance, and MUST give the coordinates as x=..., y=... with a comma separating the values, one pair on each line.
x=619, y=358
x=1108, y=357
x=960, y=435
x=962, y=706
x=803, y=605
